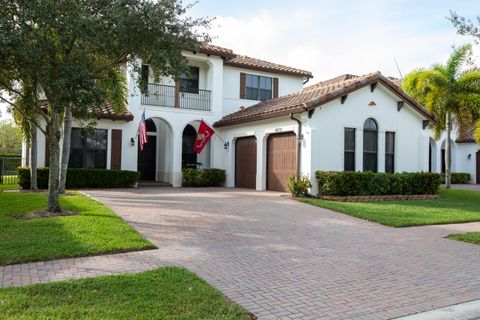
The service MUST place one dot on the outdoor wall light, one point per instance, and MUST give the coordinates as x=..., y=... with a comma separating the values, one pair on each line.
x=132, y=142
x=372, y=104
x=225, y=145
x=469, y=156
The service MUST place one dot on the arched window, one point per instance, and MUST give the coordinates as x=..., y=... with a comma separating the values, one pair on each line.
x=370, y=145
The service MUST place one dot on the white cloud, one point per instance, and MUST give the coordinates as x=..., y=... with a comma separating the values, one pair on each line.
x=333, y=40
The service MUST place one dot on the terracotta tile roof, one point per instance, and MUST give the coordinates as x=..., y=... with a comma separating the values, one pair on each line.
x=207, y=48
x=235, y=60
x=314, y=96
x=467, y=136
x=106, y=111
x=262, y=65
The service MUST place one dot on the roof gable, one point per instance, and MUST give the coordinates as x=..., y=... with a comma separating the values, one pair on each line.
x=317, y=95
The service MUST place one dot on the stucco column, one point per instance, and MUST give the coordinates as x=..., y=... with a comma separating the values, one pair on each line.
x=381, y=151
x=359, y=150
x=261, y=162
x=177, y=159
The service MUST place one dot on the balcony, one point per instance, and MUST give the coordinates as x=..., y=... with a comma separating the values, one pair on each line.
x=173, y=97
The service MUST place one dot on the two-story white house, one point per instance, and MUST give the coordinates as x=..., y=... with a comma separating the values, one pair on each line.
x=268, y=125
x=219, y=82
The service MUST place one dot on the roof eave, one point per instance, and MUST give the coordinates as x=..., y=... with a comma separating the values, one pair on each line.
x=307, y=75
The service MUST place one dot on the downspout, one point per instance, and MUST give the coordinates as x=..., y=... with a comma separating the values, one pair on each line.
x=299, y=142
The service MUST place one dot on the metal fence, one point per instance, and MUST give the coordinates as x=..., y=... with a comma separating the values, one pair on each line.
x=8, y=170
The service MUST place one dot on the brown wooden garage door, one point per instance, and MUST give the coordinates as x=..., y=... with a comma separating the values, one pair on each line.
x=246, y=162
x=281, y=160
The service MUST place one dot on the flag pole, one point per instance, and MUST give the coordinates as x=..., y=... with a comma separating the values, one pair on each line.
x=216, y=134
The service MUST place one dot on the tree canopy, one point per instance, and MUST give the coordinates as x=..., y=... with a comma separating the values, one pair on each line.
x=10, y=138
x=77, y=52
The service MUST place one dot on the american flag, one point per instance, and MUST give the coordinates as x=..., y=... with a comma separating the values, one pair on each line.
x=142, y=132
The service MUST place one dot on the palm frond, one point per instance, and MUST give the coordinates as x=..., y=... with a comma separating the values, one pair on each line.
x=457, y=59
x=469, y=82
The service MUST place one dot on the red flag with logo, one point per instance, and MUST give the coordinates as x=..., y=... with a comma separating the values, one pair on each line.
x=204, y=135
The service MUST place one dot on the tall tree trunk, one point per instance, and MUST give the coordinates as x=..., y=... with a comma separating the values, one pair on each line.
x=33, y=158
x=448, y=154
x=54, y=168
x=67, y=130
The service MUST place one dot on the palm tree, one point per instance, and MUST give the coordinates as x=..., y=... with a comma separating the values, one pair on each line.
x=452, y=93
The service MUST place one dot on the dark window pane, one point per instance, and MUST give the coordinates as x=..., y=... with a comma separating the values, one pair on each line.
x=265, y=95
x=370, y=162
x=370, y=145
x=88, y=149
x=252, y=93
x=258, y=88
x=76, y=149
x=349, y=164
x=370, y=124
x=349, y=139
x=390, y=152
x=389, y=163
x=370, y=141
x=189, y=80
x=101, y=149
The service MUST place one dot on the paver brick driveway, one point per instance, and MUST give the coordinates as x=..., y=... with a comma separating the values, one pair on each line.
x=283, y=259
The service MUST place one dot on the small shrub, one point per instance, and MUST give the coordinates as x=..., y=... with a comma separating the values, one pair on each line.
x=458, y=177
x=203, y=177
x=83, y=178
x=298, y=185
x=370, y=184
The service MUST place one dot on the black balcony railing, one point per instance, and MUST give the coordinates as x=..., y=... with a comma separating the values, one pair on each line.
x=172, y=96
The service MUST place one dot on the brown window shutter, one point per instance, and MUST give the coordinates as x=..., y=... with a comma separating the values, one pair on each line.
x=116, y=155
x=275, y=88
x=242, y=85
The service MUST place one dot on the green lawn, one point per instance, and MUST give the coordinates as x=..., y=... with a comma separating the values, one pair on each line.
x=165, y=293
x=471, y=237
x=9, y=187
x=454, y=206
x=94, y=230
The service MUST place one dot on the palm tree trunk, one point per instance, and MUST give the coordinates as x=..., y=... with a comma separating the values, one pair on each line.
x=448, y=154
x=53, y=176
x=33, y=158
x=67, y=130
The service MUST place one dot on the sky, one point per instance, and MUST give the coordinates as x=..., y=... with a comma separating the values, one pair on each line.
x=330, y=38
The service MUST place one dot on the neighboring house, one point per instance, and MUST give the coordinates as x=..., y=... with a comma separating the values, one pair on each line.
x=465, y=154
x=268, y=126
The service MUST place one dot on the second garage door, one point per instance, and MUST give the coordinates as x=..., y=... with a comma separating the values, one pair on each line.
x=281, y=160
x=246, y=162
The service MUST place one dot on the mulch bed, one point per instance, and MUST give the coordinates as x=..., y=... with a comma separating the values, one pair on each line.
x=46, y=214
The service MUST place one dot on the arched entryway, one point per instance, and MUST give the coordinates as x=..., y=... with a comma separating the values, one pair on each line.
x=156, y=159
x=189, y=156
x=190, y=159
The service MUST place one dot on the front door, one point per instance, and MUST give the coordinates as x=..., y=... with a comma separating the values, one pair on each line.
x=147, y=159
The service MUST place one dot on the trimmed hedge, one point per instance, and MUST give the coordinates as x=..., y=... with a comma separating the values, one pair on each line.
x=203, y=177
x=83, y=178
x=373, y=184
x=458, y=178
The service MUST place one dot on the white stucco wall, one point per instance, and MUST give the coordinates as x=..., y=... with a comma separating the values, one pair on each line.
x=323, y=135
x=231, y=93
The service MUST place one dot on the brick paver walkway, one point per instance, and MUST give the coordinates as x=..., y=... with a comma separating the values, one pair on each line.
x=283, y=259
